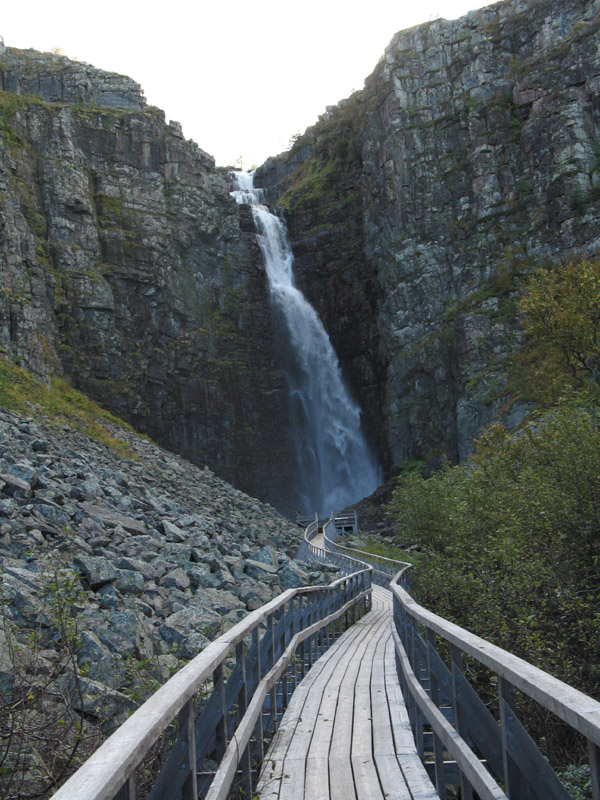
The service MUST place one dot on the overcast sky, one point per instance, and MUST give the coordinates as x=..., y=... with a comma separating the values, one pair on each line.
x=242, y=76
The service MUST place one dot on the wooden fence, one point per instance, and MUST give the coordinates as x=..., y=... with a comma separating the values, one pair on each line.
x=214, y=717
x=481, y=747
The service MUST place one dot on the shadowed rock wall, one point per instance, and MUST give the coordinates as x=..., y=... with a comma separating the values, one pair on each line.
x=471, y=156
x=125, y=263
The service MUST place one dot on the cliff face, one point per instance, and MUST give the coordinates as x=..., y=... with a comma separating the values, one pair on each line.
x=471, y=156
x=416, y=209
x=125, y=263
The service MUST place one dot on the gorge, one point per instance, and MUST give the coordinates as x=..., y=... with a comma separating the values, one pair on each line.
x=416, y=207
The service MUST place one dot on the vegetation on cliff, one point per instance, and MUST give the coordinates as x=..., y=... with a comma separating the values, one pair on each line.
x=511, y=538
x=334, y=151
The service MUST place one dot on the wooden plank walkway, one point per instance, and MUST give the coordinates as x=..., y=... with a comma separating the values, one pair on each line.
x=345, y=734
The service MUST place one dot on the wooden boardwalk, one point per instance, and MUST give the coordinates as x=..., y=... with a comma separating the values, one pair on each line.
x=346, y=734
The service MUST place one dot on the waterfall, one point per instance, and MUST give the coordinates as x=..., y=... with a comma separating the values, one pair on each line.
x=335, y=466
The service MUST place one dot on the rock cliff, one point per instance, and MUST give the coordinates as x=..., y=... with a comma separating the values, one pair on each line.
x=471, y=156
x=416, y=207
x=125, y=263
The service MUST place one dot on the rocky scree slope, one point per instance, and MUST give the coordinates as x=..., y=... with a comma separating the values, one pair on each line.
x=418, y=206
x=153, y=558
x=125, y=264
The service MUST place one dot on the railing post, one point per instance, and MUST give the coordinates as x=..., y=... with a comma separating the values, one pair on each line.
x=127, y=791
x=293, y=668
x=303, y=617
x=459, y=714
x=270, y=662
x=438, y=754
x=221, y=728
x=245, y=759
x=189, y=789
x=256, y=680
x=506, y=700
x=594, y=753
x=287, y=619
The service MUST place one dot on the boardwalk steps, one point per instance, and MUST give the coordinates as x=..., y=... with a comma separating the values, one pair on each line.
x=378, y=703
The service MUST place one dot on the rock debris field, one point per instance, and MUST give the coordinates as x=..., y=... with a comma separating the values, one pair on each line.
x=154, y=557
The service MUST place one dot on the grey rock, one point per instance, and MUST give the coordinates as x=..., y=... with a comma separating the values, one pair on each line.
x=109, y=597
x=201, y=578
x=291, y=577
x=7, y=507
x=97, y=570
x=259, y=570
x=15, y=486
x=100, y=663
x=109, y=517
x=129, y=581
x=176, y=578
x=24, y=472
x=266, y=555
x=172, y=532
x=138, y=565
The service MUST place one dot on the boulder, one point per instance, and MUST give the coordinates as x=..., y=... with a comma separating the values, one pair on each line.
x=96, y=570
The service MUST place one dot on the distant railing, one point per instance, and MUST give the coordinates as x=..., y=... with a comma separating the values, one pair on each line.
x=384, y=569
x=225, y=704
x=312, y=552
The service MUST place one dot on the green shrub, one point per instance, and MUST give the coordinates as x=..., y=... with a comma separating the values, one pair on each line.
x=513, y=540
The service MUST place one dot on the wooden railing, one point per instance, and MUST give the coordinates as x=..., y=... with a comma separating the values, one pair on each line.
x=461, y=742
x=384, y=569
x=225, y=704
x=465, y=743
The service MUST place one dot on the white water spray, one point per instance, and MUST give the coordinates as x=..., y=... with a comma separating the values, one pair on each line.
x=334, y=463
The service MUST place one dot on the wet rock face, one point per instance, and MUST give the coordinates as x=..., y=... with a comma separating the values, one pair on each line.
x=477, y=160
x=123, y=262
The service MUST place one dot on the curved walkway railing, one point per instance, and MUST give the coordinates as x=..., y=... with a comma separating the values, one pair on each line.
x=225, y=703
x=461, y=742
x=384, y=569
x=441, y=700
x=324, y=553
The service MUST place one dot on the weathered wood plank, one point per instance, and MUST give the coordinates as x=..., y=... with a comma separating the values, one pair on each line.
x=365, y=778
x=341, y=779
x=316, y=778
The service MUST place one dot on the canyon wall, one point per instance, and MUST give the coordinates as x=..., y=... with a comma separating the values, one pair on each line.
x=418, y=206
x=125, y=264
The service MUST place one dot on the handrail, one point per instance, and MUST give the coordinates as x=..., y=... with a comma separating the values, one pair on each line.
x=307, y=619
x=384, y=569
x=433, y=689
x=440, y=696
x=313, y=552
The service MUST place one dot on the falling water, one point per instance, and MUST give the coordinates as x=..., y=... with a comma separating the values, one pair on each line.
x=335, y=467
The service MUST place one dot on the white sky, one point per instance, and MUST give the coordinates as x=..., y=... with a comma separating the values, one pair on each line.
x=242, y=76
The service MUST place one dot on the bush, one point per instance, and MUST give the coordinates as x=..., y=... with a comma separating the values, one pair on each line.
x=560, y=312
x=513, y=541
x=44, y=734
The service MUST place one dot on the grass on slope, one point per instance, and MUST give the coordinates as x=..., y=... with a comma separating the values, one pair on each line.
x=20, y=391
x=379, y=548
